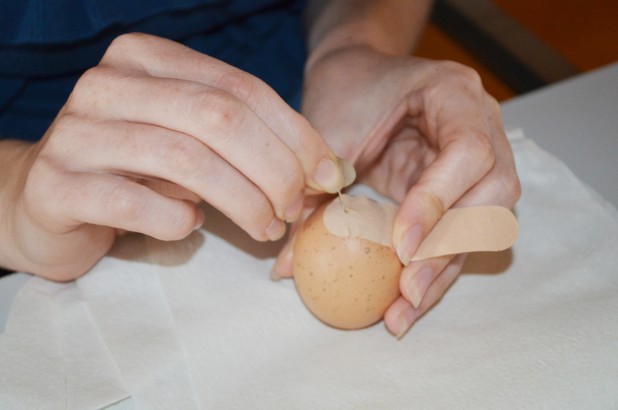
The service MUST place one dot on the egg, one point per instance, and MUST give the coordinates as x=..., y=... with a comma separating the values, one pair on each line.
x=345, y=268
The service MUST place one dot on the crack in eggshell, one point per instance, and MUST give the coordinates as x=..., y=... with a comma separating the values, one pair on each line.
x=362, y=218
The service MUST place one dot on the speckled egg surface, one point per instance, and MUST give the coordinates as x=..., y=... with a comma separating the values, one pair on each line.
x=346, y=281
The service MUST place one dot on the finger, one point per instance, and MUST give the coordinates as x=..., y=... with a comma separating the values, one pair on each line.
x=218, y=120
x=396, y=311
x=501, y=185
x=181, y=163
x=122, y=204
x=170, y=190
x=465, y=157
x=401, y=315
x=284, y=266
x=419, y=275
x=163, y=58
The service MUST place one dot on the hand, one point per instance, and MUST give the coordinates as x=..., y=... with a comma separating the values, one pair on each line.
x=422, y=132
x=146, y=135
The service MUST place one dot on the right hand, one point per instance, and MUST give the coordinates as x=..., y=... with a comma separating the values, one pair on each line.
x=144, y=137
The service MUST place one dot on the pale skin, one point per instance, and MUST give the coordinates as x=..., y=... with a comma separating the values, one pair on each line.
x=144, y=137
x=425, y=133
x=156, y=128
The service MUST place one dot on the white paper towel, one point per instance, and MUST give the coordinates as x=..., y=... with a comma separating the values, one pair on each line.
x=51, y=355
x=198, y=324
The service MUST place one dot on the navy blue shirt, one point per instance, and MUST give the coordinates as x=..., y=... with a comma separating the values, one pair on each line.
x=45, y=45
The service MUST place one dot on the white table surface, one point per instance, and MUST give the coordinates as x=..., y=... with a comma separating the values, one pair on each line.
x=576, y=120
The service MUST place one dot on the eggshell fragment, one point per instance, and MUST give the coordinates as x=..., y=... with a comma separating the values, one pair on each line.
x=344, y=279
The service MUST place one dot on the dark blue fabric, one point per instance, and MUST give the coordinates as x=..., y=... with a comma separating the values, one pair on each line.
x=46, y=45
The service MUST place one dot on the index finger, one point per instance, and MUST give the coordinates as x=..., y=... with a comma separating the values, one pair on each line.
x=164, y=58
x=462, y=136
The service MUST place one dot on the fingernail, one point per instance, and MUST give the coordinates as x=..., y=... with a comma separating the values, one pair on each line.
x=275, y=230
x=408, y=244
x=274, y=275
x=199, y=220
x=295, y=209
x=406, y=320
x=349, y=173
x=419, y=284
x=329, y=176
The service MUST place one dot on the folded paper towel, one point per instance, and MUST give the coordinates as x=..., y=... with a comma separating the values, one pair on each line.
x=198, y=324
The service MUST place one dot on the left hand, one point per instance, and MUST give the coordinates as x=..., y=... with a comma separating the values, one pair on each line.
x=422, y=132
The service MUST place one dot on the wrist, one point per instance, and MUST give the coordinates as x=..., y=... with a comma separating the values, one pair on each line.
x=329, y=49
x=390, y=27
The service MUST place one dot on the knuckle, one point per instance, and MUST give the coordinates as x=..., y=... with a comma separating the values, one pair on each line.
x=240, y=84
x=289, y=183
x=184, y=153
x=119, y=43
x=90, y=77
x=86, y=90
x=193, y=162
x=432, y=205
x=61, y=136
x=436, y=204
x=180, y=225
x=480, y=145
x=67, y=122
x=452, y=76
x=465, y=74
x=219, y=111
x=122, y=203
x=124, y=45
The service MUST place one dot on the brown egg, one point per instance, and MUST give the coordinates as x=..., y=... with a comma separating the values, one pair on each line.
x=346, y=272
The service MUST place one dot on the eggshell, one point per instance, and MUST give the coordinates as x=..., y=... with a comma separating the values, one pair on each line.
x=346, y=281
